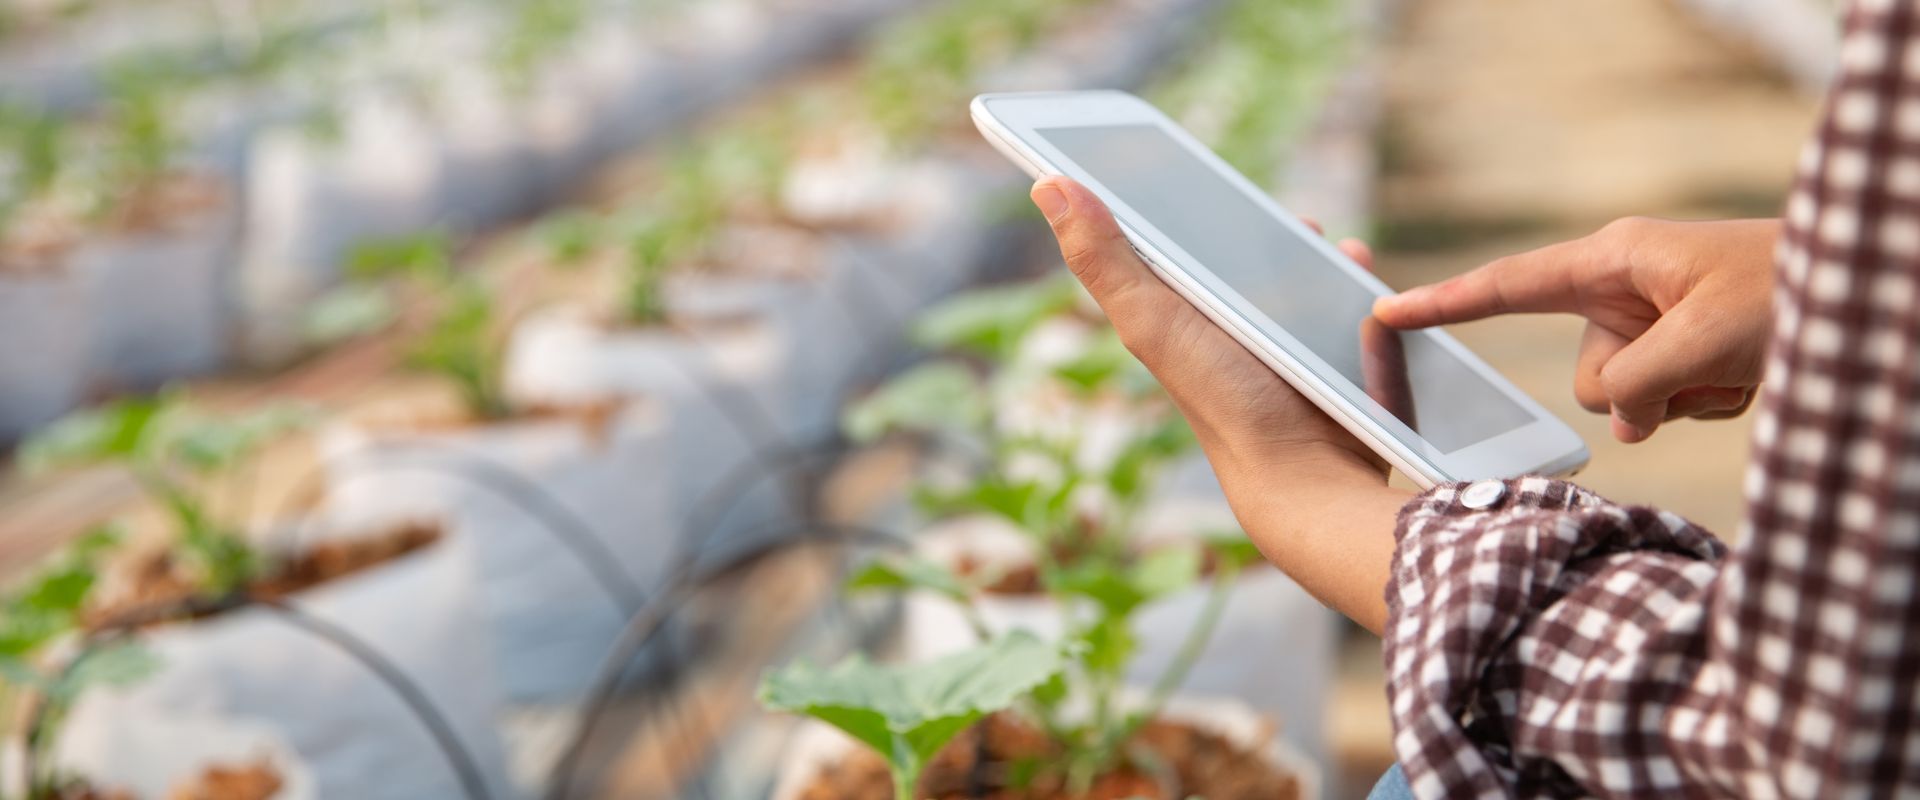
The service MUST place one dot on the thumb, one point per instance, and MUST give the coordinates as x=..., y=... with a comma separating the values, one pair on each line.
x=1643, y=378
x=1096, y=249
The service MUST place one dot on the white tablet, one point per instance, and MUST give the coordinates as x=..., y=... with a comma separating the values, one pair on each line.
x=1419, y=398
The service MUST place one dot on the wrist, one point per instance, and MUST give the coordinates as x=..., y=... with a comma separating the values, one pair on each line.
x=1311, y=464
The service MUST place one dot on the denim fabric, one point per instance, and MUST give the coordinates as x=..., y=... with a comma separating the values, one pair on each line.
x=1392, y=786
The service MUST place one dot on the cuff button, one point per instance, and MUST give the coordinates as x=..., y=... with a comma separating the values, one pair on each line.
x=1482, y=494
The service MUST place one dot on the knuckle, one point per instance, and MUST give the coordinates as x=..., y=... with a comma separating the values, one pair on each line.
x=1619, y=383
x=1591, y=397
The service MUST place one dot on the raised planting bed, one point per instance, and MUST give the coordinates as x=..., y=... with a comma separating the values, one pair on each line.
x=311, y=633
x=1200, y=747
x=570, y=521
x=304, y=651
x=489, y=148
x=153, y=759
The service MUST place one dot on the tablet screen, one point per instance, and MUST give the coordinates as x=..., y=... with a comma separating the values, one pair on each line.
x=1292, y=283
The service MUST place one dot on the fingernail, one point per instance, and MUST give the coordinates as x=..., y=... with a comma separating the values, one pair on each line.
x=1626, y=431
x=1052, y=203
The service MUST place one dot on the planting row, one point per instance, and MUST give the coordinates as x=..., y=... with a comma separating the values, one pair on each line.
x=190, y=216
x=490, y=548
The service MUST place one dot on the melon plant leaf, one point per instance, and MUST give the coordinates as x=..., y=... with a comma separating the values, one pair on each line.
x=990, y=322
x=1118, y=591
x=207, y=442
x=1165, y=570
x=118, y=664
x=355, y=309
x=906, y=713
x=931, y=397
x=911, y=573
x=116, y=430
x=1233, y=550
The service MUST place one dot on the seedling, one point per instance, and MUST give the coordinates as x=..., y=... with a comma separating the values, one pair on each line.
x=701, y=188
x=460, y=339
x=173, y=449
x=907, y=713
x=535, y=30
x=1037, y=481
x=990, y=323
x=569, y=237
x=33, y=153
x=142, y=139
x=926, y=66
x=1258, y=80
x=40, y=617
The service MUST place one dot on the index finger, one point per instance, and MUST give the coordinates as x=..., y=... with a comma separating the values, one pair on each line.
x=1546, y=279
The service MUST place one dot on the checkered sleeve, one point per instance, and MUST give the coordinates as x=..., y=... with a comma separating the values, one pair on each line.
x=1549, y=643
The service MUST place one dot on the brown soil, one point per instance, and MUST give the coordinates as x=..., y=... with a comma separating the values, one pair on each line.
x=332, y=560
x=160, y=206
x=1024, y=580
x=80, y=790
x=158, y=590
x=256, y=781
x=983, y=761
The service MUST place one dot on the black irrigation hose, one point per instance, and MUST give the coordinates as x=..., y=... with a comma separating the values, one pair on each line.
x=464, y=767
x=587, y=545
x=643, y=626
x=459, y=760
x=709, y=511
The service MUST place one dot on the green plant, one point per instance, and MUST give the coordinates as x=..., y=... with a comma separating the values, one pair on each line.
x=142, y=138
x=1083, y=708
x=535, y=30
x=990, y=322
x=39, y=616
x=701, y=187
x=924, y=67
x=1039, y=482
x=173, y=449
x=569, y=237
x=460, y=338
x=949, y=399
x=907, y=713
x=33, y=152
x=1255, y=83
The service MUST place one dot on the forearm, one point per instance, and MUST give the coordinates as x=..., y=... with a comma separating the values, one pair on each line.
x=1328, y=525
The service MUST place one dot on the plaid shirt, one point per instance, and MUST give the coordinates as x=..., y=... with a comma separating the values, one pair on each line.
x=1547, y=643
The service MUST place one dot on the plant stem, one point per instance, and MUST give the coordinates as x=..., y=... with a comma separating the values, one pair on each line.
x=1190, y=649
x=905, y=778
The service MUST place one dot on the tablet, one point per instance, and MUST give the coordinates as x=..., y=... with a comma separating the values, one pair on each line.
x=1420, y=399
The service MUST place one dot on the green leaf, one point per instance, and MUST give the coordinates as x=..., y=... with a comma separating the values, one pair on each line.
x=427, y=255
x=990, y=322
x=1110, y=644
x=1165, y=570
x=569, y=236
x=1233, y=550
x=911, y=573
x=119, y=664
x=1023, y=503
x=930, y=397
x=113, y=432
x=1134, y=467
x=207, y=442
x=351, y=310
x=1119, y=590
x=906, y=713
x=1101, y=364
